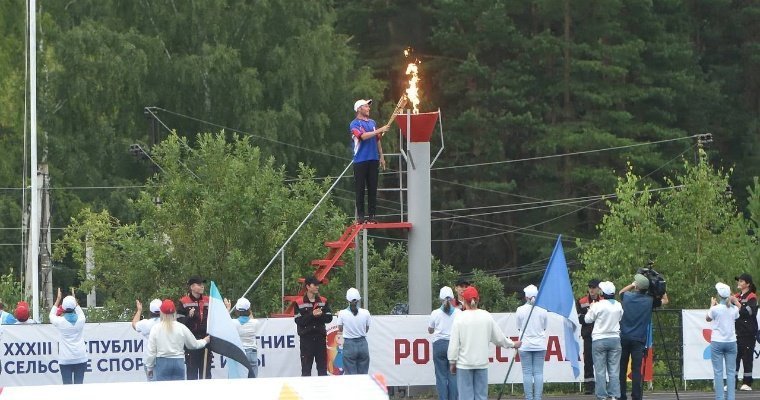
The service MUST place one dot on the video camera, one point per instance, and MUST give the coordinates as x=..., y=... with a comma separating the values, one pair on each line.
x=657, y=284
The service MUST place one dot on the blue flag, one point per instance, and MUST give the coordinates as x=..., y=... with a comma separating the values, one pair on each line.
x=556, y=295
x=225, y=339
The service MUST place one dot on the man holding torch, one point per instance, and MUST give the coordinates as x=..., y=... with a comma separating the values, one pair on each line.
x=368, y=156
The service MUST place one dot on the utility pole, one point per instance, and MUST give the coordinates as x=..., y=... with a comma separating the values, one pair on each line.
x=46, y=247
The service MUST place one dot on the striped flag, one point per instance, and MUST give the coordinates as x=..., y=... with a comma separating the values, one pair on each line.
x=224, y=337
x=556, y=295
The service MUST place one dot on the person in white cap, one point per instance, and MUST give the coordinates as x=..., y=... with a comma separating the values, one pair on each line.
x=722, y=314
x=143, y=326
x=605, y=342
x=440, y=323
x=247, y=327
x=531, y=324
x=368, y=156
x=72, y=352
x=354, y=322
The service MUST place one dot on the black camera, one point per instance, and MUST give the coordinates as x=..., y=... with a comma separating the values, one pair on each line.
x=657, y=284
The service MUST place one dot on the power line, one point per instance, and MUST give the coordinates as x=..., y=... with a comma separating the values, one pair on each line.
x=249, y=133
x=575, y=153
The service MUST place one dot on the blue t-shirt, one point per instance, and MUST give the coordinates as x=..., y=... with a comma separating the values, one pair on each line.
x=637, y=315
x=363, y=150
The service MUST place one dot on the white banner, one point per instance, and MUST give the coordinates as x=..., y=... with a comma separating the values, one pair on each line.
x=399, y=349
x=696, y=347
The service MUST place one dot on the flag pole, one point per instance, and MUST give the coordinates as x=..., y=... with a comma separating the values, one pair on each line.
x=512, y=362
x=205, y=362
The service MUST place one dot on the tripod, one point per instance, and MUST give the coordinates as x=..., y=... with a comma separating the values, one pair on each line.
x=667, y=355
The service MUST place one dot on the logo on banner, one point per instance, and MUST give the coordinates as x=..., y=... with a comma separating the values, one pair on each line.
x=707, y=335
x=334, y=351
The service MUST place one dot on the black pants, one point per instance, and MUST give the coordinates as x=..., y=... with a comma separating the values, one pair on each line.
x=365, y=176
x=635, y=351
x=194, y=364
x=313, y=348
x=588, y=362
x=745, y=346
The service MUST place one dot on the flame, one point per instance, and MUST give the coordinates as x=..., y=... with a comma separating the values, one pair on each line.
x=412, y=92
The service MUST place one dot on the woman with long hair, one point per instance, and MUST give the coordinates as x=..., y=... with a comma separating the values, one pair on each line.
x=354, y=323
x=72, y=357
x=722, y=315
x=441, y=320
x=166, y=346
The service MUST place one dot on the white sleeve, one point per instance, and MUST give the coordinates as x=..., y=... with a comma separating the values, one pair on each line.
x=591, y=314
x=453, y=350
x=190, y=341
x=150, y=361
x=498, y=337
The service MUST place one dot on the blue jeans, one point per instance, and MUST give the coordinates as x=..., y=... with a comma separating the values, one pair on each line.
x=356, y=356
x=73, y=373
x=606, y=363
x=235, y=370
x=472, y=384
x=533, y=373
x=445, y=381
x=169, y=369
x=724, y=353
x=634, y=350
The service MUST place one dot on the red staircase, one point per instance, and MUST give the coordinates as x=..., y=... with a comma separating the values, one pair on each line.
x=332, y=260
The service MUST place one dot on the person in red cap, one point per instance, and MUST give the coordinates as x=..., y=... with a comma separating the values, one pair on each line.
x=746, y=328
x=22, y=313
x=193, y=312
x=468, y=352
x=166, y=346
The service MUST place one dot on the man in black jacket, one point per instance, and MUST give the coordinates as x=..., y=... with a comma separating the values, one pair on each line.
x=193, y=312
x=746, y=328
x=312, y=315
x=582, y=306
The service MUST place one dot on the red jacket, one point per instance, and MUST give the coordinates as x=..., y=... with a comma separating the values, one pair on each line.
x=199, y=321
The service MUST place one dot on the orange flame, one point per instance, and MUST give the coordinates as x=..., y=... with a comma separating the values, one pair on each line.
x=412, y=92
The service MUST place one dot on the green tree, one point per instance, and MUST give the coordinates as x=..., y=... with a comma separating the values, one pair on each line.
x=691, y=230
x=224, y=210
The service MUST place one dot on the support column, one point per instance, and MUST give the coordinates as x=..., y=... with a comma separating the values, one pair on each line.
x=420, y=265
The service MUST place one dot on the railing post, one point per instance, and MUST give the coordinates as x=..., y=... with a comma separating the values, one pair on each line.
x=282, y=279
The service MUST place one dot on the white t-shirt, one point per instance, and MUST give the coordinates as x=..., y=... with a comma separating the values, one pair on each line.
x=354, y=326
x=165, y=344
x=606, y=316
x=471, y=333
x=143, y=327
x=534, y=338
x=441, y=323
x=723, y=328
x=72, y=349
x=247, y=332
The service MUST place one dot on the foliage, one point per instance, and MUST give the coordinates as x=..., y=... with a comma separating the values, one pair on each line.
x=691, y=230
x=389, y=285
x=11, y=291
x=224, y=211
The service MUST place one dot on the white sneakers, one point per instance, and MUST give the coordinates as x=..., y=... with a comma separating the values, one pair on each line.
x=746, y=388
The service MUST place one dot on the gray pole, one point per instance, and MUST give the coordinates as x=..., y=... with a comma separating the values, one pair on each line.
x=365, y=269
x=418, y=184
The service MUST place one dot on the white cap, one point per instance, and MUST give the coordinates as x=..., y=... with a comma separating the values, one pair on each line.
x=361, y=102
x=69, y=303
x=155, y=306
x=353, y=295
x=607, y=287
x=243, y=304
x=445, y=293
x=531, y=291
x=723, y=290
